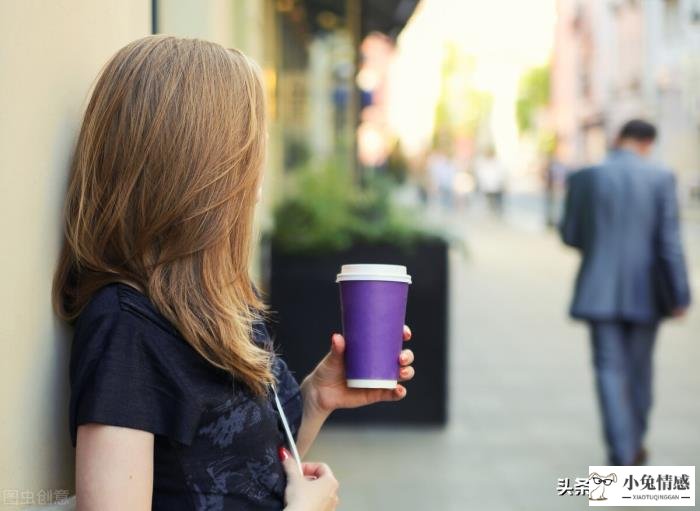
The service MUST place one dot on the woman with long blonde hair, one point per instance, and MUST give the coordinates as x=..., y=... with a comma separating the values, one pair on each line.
x=171, y=363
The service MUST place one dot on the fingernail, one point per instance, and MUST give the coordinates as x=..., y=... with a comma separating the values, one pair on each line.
x=283, y=453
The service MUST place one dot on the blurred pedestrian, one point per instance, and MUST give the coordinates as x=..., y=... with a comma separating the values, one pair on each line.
x=491, y=179
x=555, y=175
x=622, y=215
x=442, y=171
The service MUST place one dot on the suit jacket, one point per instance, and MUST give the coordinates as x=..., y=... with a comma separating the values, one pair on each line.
x=622, y=215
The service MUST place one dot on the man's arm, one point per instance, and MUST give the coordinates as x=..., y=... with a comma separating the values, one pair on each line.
x=570, y=226
x=670, y=248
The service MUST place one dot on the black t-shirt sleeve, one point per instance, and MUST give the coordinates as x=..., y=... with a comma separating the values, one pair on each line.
x=122, y=374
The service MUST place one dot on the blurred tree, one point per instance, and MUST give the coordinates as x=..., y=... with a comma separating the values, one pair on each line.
x=533, y=95
x=324, y=210
x=462, y=108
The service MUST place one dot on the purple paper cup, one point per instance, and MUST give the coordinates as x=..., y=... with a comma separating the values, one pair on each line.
x=373, y=310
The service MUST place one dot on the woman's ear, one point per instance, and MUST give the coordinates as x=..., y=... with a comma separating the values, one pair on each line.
x=258, y=196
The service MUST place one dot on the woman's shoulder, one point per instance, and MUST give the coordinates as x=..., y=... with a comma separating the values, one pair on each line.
x=129, y=369
x=123, y=303
x=120, y=333
x=121, y=329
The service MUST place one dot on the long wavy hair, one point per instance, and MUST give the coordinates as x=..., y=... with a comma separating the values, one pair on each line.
x=162, y=195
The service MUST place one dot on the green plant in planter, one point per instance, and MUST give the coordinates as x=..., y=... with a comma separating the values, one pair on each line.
x=324, y=211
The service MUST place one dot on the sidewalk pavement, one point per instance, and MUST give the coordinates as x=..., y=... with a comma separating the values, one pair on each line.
x=522, y=404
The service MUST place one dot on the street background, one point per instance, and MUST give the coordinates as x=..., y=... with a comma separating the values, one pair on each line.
x=522, y=402
x=446, y=125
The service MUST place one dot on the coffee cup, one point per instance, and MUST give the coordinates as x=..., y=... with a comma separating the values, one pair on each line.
x=373, y=309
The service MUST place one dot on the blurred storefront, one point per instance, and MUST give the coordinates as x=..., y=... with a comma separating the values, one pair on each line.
x=322, y=49
x=310, y=52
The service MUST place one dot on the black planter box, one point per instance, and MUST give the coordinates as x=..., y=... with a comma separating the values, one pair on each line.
x=305, y=299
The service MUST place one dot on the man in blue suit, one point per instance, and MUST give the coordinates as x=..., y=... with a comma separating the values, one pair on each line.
x=622, y=215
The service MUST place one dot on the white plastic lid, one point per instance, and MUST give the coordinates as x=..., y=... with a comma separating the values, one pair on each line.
x=386, y=272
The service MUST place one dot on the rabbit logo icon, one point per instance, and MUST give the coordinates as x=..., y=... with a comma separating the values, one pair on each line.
x=597, y=484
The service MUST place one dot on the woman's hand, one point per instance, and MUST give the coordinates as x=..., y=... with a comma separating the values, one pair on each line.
x=326, y=386
x=315, y=490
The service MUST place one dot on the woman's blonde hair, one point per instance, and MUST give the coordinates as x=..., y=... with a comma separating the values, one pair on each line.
x=162, y=195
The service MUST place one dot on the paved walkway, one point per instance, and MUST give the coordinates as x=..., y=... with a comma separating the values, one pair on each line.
x=522, y=407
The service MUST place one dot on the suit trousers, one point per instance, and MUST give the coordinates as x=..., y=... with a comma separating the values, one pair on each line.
x=622, y=359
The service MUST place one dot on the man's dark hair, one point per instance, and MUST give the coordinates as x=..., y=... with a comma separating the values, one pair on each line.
x=639, y=130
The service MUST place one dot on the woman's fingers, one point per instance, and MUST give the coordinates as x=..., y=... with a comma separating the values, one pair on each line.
x=406, y=357
x=315, y=469
x=394, y=394
x=406, y=373
x=406, y=333
x=398, y=393
x=405, y=360
x=337, y=344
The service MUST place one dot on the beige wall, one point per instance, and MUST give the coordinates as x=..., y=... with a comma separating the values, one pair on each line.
x=50, y=53
x=232, y=23
x=211, y=20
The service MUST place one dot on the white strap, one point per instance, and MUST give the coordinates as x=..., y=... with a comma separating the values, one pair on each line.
x=290, y=438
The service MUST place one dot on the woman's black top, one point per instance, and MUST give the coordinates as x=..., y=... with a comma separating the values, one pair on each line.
x=215, y=442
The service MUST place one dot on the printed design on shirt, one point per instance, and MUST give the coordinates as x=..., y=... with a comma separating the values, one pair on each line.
x=262, y=477
x=208, y=501
x=272, y=475
x=223, y=430
x=257, y=479
x=244, y=425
